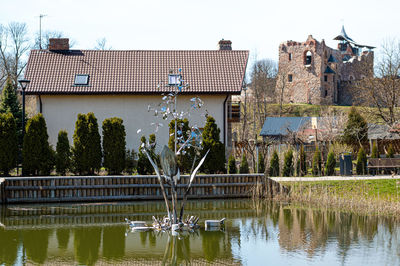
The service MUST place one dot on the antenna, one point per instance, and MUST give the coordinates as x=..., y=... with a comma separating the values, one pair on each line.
x=40, y=30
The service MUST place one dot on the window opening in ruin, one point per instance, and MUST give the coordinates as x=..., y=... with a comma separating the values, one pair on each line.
x=326, y=78
x=326, y=93
x=290, y=77
x=290, y=56
x=308, y=58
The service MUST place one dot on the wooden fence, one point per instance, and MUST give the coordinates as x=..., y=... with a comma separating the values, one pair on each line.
x=113, y=188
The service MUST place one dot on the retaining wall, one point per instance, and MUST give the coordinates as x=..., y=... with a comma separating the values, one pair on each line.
x=120, y=188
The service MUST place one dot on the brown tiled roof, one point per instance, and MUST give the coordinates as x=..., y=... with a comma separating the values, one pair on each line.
x=134, y=72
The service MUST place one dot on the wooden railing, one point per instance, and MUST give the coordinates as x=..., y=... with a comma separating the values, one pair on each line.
x=111, y=188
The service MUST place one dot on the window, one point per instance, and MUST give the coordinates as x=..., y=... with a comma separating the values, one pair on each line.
x=290, y=77
x=81, y=79
x=308, y=58
x=326, y=78
x=290, y=56
x=326, y=93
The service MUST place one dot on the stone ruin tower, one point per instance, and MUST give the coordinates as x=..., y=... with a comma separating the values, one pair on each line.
x=311, y=72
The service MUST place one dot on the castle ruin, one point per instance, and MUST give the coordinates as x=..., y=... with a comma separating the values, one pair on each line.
x=311, y=72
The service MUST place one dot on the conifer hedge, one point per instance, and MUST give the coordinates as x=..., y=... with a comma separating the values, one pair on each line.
x=215, y=161
x=361, y=165
x=232, y=165
x=261, y=163
x=114, y=144
x=317, y=162
x=63, y=153
x=274, y=164
x=244, y=165
x=330, y=164
x=8, y=143
x=38, y=156
x=288, y=164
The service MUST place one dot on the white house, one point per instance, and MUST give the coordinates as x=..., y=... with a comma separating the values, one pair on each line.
x=115, y=83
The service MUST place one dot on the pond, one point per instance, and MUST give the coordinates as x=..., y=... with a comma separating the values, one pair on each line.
x=267, y=234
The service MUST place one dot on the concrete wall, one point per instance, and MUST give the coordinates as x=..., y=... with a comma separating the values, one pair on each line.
x=60, y=112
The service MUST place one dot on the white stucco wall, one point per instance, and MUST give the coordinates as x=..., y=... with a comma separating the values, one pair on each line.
x=60, y=112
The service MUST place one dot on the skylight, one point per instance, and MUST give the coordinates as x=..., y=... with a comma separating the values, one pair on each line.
x=81, y=79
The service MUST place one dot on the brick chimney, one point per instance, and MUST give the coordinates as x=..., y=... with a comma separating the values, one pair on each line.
x=225, y=45
x=58, y=44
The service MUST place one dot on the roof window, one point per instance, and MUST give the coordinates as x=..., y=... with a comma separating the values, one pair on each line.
x=81, y=79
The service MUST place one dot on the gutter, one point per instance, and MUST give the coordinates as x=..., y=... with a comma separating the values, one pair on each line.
x=40, y=104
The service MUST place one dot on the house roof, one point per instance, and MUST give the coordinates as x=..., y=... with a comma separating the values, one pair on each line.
x=281, y=126
x=376, y=131
x=134, y=72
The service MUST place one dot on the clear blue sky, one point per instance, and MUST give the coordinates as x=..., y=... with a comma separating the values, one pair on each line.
x=258, y=26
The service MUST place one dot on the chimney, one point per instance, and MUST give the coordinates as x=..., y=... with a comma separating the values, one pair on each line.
x=58, y=44
x=225, y=45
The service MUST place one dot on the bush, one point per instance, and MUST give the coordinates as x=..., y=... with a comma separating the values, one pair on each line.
x=375, y=152
x=63, y=153
x=94, y=144
x=261, y=163
x=144, y=166
x=330, y=164
x=232, y=165
x=274, y=164
x=86, y=152
x=288, y=163
x=317, y=161
x=356, y=130
x=390, y=151
x=361, y=166
x=244, y=165
x=114, y=144
x=8, y=143
x=130, y=161
x=302, y=162
x=215, y=161
x=38, y=156
x=185, y=158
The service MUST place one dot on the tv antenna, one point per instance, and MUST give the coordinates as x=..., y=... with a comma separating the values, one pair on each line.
x=40, y=30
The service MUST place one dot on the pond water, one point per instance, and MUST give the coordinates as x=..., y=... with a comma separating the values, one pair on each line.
x=268, y=234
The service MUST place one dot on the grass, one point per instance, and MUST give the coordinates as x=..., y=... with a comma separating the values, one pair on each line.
x=370, y=197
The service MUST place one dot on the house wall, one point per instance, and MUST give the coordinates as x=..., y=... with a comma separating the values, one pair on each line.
x=60, y=112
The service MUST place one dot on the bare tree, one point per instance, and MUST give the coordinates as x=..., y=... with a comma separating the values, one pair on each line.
x=101, y=44
x=382, y=90
x=280, y=88
x=13, y=46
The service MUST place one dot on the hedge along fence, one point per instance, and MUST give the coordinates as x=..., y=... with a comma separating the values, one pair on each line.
x=110, y=188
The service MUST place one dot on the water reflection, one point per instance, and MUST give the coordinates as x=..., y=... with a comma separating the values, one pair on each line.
x=280, y=234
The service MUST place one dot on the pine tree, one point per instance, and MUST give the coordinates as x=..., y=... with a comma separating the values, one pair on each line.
x=390, y=151
x=288, y=163
x=375, y=152
x=215, y=161
x=37, y=154
x=8, y=143
x=330, y=164
x=232, y=165
x=317, y=161
x=274, y=164
x=94, y=144
x=114, y=144
x=261, y=163
x=10, y=104
x=356, y=130
x=244, y=165
x=302, y=162
x=63, y=153
x=361, y=166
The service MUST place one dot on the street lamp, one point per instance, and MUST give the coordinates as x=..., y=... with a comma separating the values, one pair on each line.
x=24, y=83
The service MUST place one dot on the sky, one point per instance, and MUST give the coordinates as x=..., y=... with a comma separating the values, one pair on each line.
x=258, y=26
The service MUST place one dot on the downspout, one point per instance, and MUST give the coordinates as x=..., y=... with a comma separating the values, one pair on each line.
x=40, y=104
x=224, y=115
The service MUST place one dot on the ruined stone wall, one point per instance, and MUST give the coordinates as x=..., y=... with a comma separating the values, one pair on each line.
x=315, y=83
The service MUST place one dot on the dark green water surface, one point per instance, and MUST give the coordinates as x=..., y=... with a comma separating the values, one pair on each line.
x=271, y=234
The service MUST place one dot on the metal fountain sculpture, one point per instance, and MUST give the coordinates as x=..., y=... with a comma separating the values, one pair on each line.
x=168, y=159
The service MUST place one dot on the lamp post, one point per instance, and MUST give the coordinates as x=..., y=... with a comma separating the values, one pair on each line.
x=24, y=83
